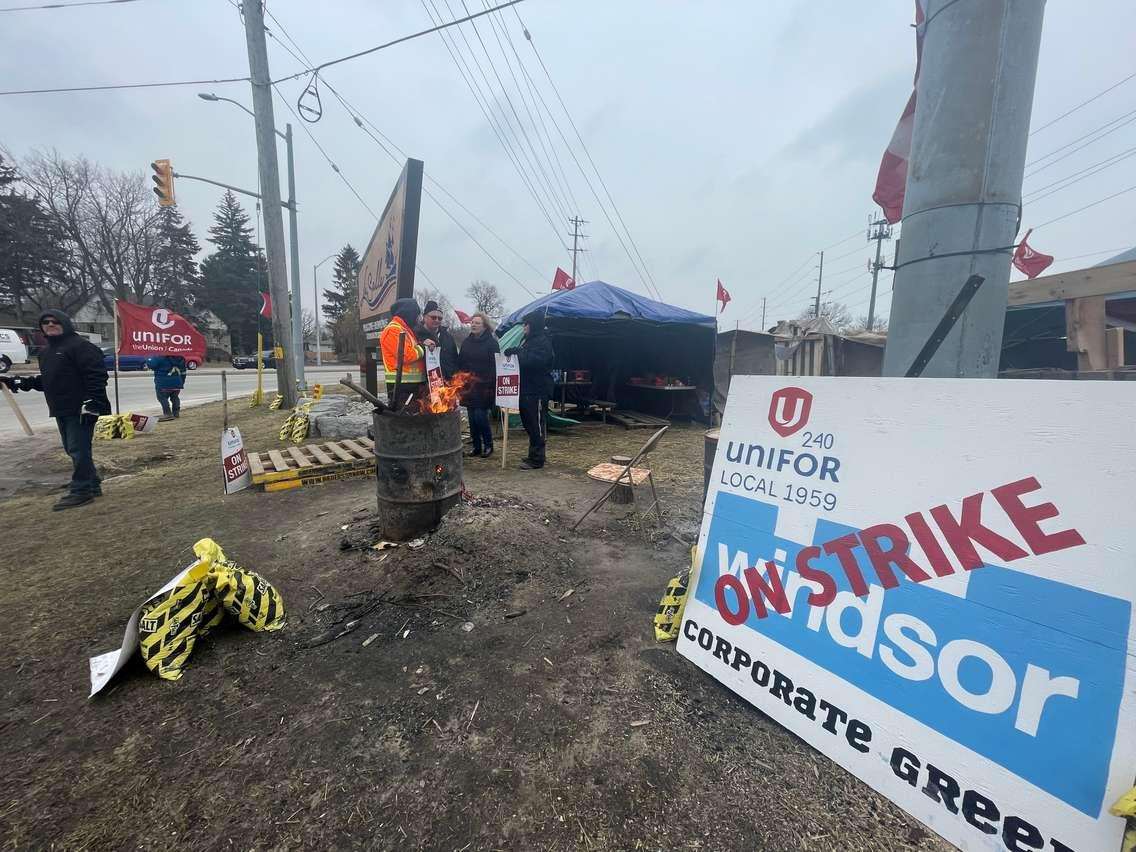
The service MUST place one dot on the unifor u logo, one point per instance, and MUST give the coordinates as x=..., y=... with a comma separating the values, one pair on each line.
x=789, y=410
x=161, y=318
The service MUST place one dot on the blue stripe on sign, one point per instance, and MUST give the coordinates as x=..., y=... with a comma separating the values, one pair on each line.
x=1063, y=629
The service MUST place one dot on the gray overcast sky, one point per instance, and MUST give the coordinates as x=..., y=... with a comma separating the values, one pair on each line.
x=736, y=137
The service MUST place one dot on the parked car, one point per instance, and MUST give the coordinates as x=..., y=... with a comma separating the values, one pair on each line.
x=246, y=362
x=12, y=349
x=125, y=362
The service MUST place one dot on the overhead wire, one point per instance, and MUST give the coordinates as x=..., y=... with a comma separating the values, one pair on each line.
x=1084, y=103
x=535, y=158
x=442, y=26
x=66, y=5
x=1078, y=176
x=1092, y=132
x=494, y=123
x=1079, y=148
x=644, y=275
x=359, y=119
x=1086, y=207
x=113, y=86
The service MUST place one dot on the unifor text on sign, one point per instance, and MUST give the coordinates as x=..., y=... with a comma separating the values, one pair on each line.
x=508, y=394
x=932, y=582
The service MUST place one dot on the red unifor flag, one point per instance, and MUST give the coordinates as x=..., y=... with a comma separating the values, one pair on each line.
x=1028, y=261
x=147, y=330
x=562, y=280
x=266, y=305
x=723, y=296
x=463, y=317
x=891, y=182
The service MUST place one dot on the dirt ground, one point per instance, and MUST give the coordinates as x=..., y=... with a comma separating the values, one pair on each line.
x=498, y=688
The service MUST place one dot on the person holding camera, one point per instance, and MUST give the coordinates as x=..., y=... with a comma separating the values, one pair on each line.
x=73, y=379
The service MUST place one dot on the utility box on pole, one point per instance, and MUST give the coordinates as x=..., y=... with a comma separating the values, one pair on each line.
x=964, y=181
x=270, y=192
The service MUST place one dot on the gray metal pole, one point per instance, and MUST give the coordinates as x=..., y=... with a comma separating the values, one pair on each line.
x=270, y=187
x=294, y=248
x=963, y=196
x=316, y=309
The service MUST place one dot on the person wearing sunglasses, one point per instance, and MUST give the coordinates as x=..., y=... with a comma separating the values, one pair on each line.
x=73, y=379
x=432, y=329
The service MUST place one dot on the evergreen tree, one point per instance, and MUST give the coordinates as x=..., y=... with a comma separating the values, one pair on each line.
x=233, y=276
x=344, y=292
x=175, y=279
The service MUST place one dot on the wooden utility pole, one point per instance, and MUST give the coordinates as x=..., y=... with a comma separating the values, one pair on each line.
x=820, y=278
x=270, y=191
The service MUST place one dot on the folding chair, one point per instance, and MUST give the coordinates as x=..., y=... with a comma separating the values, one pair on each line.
x=629, y=476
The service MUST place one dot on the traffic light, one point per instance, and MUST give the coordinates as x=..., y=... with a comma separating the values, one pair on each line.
x=163, y=178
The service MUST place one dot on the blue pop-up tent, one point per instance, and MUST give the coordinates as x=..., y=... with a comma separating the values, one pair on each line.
x=617, y=335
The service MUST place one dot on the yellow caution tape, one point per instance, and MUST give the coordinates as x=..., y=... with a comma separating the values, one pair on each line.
x=668, y=618
x=1125, y=806
x=112, y=426
x=171, y=623
x=277, y=401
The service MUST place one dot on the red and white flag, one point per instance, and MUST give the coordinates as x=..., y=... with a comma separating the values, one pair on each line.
x=723, y=296
x=1028, y=261
x=463, y=317
x=891, y=182
x=148, y=330
x=562, y=280
x=266, y=305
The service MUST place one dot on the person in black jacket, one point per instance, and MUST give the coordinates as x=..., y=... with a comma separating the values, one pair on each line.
x=535, y=356
x=432, y=329
x=476, y=357
x=73, y=379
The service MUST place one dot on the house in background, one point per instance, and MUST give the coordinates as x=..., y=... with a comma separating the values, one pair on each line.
x=97, y=323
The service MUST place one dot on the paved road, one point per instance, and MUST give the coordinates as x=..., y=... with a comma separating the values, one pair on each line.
x=136, y=394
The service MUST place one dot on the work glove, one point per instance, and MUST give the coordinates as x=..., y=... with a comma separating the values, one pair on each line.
x=90, y=408
x=511, y=351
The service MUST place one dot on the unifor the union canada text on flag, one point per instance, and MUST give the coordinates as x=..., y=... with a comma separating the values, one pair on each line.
x=891, y=182
x=463, y=317
x=1028, y=261
x=150, y=330
x=562, y=280
x=266, y=304
x=723, y=296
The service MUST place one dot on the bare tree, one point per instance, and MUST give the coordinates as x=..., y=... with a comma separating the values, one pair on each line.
x=109, y=219
x=308, y=327
x=486, y=298
x=879, y=324
x=432, y=294
x=837, y=313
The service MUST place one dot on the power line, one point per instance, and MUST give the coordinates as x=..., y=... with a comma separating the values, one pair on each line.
x=1078, y=176
x=112, y=86
x=1086, y=207
x=1068, y=113
x=66, y=5
x=647, y=279
x=351, y=110
x=1092, y=132
x=516, y=115
x=483, y=104
x=317, y=68
x=1078, y=148
x=326, y=156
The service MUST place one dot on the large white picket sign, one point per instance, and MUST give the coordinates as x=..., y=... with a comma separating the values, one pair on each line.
x=932, y=582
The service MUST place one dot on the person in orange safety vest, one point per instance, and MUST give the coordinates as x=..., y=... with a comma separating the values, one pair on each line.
x=404, y=318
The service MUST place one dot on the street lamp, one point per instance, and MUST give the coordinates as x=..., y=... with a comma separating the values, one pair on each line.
x=315, y=301
x=297, y=308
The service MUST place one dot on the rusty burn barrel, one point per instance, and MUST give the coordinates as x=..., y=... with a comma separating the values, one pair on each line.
x=418, y=466
x=710, y=448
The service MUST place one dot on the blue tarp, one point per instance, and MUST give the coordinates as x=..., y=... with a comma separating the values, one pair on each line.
x=598, y=300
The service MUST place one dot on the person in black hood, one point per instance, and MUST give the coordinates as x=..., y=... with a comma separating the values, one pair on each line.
x=535, y=356
x=73, y=379
x=432, y=329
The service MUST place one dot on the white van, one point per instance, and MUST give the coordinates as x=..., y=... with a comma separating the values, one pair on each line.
x=12, y=350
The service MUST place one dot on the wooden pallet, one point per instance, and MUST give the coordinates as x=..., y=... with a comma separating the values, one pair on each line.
x=292, y=467
x=636, y=420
